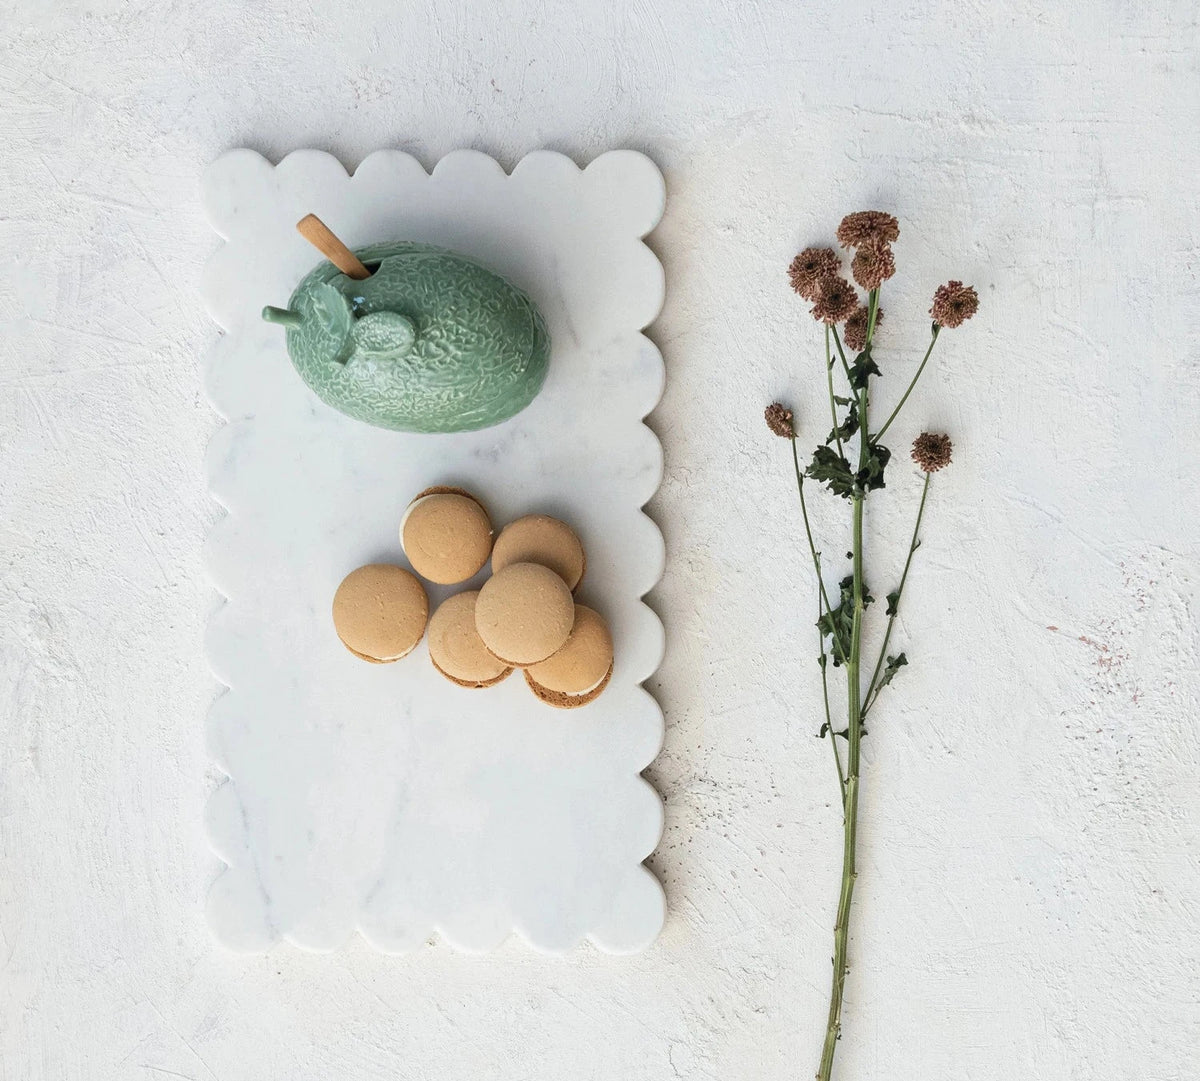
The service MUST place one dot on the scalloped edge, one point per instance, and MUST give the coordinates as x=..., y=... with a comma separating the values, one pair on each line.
x=226, y=235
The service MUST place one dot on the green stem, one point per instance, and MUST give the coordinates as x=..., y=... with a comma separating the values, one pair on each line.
x=832, y=403
x=900, y=404
x=822, y=599
x=869, y=697
x=812, y=548
x=872, y=315
x=837, y=758
x=842, y=354
x=841, y=929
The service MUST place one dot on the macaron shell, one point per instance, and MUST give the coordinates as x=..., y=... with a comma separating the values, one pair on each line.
x=583, y=663
x=379, y=612
x=446, y=534
x=369, y=660
x=538, y=538
x=455, y=648
x=524, y=613
x=559, y=700
x=476, y=684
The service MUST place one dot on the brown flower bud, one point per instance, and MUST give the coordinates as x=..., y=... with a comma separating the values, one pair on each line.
x=953, y=304
x=779, y=420
x=854, y=334
x=809, y=268
x=868, y=227
x=872, y=265
x=835, y=300
x=931, y=451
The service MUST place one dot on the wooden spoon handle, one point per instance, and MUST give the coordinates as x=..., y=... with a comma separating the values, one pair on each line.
x=317, y=233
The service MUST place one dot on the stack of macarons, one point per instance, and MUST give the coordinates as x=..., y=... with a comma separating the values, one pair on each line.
x=525, y=616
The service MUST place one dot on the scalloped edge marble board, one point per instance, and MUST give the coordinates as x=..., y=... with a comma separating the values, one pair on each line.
x=384, y=799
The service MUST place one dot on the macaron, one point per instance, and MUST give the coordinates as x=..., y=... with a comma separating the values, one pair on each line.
x=581, y=669
x=379, y=612
x=446, y=535
x=524, y=613
x=455, y=647
x=538, y=538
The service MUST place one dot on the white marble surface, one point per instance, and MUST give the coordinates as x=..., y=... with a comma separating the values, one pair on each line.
x=385, y=799
x=1029, y=887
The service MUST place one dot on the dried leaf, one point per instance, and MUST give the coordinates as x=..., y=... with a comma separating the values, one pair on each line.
x=894, y=664
x=832, y=470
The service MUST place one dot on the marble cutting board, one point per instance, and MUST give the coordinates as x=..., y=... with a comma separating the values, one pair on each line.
x=384, y=799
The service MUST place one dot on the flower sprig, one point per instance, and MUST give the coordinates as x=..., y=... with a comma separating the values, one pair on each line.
x=852, y=472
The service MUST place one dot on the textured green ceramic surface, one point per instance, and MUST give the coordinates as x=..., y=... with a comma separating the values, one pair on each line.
x=431, y=342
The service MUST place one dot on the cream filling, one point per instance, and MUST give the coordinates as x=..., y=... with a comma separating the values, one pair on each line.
x=593, y=686
x=377, y=660
x=579, y=694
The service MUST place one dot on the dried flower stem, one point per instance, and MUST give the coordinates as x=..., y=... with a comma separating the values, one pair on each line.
x=872, y=313
x=822, y=597
x=904, y=398
x=841, y=928
x=812, y=547
x=832, y=403
x=842, y=354
x=815, y=277
x=914, y=544
x=837, y=757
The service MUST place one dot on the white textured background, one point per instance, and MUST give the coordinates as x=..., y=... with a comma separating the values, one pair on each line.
x=1030, y=878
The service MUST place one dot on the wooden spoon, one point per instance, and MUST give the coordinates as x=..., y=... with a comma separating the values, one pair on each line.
x=318, y=234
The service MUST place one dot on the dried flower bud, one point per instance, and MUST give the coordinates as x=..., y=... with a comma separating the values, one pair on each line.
x=872, y=265
x=779, y=420
x=868, y=227
x=953, y=304
x=931, y=451
x=835, y=300
x=854, y=334
x=810, y=267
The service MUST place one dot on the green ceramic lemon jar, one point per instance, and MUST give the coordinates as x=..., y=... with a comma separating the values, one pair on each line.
x=430, y=342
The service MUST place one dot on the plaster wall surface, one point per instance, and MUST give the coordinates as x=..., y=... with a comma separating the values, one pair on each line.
x=1030, y=871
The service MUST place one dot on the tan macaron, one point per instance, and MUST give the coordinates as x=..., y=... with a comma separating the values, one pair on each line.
x=524, y=613
x=446, y=535
x=538, y=538
x=379, y=612
x=580, y=671
x=455, y=647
